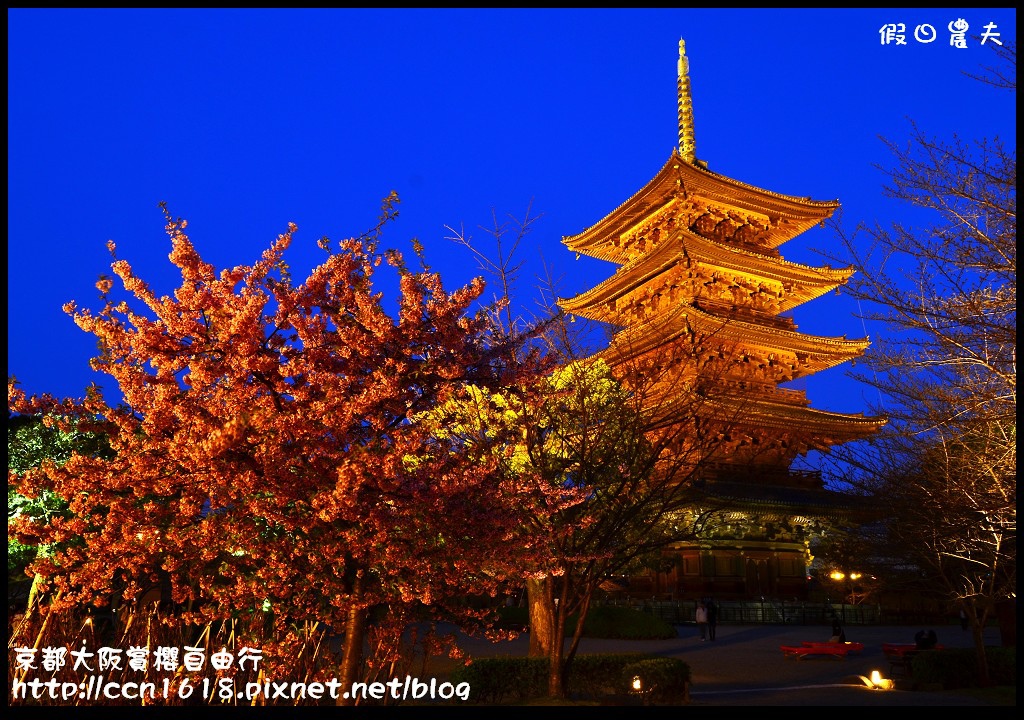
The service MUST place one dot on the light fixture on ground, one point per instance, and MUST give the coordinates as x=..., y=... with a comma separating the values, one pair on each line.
x=877, y=682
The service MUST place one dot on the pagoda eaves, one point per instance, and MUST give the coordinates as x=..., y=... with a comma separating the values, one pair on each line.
x=697, y=328
x=759, y=431
x=769, y=414
x=769, y=217
x=795, y=283
x=762, y=413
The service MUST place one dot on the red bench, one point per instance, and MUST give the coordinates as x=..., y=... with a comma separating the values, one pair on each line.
x=903, y=648
x=901, y=655
x=854, y=647
x=838, y=650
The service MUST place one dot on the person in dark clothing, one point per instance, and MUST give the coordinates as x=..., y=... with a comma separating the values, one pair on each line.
x=712, y=618
x=925, y=639
x=838, y=634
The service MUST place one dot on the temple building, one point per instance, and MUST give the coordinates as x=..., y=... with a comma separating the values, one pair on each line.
x=701, y=296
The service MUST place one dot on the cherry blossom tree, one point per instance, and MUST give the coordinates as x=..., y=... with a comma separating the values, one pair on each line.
x=268, y=453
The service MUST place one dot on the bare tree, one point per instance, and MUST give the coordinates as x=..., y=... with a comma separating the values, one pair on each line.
x=945, y=465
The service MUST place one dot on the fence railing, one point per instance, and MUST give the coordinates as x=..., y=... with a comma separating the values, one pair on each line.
x=779, y=612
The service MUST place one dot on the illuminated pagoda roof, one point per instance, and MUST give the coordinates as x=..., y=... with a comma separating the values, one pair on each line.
x=679, y=186
x=766, y=413
x=805, y=282
x=661, y=330
x=687, y=188
x=784, y=416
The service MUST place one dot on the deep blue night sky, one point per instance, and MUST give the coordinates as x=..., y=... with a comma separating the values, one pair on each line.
x=245, y=120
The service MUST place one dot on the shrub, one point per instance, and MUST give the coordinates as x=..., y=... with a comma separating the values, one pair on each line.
x=502, y=680
x=951, y=668
x=1002, y=665
x=626, y=623
x=602, y=622
x=665, y=680
x=597, y=674
x=958, y=667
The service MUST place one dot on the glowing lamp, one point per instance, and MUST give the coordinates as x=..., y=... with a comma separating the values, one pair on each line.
x=880, y=683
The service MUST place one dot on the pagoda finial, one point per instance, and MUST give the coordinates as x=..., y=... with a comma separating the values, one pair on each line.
x=687, y=146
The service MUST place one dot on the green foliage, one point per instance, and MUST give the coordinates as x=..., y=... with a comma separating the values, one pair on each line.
x=602, y=622
x=573, y=396
x=598, y=674
x=30, y=443
x=504, y=680
x=627, y=624
x=19, y=556
x=954, y=668
x=1002, y=665
x=43, y=507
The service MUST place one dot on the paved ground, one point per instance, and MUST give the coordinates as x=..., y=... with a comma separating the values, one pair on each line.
x=744, y=666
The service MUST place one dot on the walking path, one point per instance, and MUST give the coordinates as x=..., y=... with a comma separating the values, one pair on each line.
x=744, y=666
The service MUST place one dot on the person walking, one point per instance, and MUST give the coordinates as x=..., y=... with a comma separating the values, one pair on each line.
x=712, y=608
x=702, y=620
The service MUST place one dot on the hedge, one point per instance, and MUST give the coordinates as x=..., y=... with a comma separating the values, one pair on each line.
x=504, y=680
x=954, y=668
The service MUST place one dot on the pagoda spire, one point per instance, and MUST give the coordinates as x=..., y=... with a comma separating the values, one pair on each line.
x=687, y=146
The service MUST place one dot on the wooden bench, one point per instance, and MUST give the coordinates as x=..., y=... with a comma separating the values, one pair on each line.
x=836, y=650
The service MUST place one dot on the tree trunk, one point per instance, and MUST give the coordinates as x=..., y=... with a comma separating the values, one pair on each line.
x=542, y=621
x=578, y=630
x=978, y=619
x=355, y=632
x=549, y=618
x=984, y=677
x=556, y=653
x=547, y=630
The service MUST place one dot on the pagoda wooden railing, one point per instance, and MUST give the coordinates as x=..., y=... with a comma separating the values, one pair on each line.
x=740, y=473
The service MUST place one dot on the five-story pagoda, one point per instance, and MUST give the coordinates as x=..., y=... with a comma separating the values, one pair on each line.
x=701, y=288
